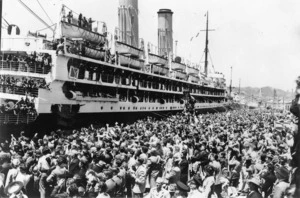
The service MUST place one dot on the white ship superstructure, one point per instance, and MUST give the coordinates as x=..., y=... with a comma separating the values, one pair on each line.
x=78, y=73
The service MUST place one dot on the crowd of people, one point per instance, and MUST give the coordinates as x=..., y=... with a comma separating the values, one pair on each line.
x=230, y=154
x=17, y=111
x=81, y=21
x=22, y=85
x=34, y=62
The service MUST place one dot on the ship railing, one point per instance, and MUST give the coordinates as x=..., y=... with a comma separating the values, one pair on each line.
x=22, y=66
x=20, y=118
x=19, y=90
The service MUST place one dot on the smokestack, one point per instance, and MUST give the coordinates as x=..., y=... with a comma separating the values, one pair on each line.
x=165, y=32
x=129, y=22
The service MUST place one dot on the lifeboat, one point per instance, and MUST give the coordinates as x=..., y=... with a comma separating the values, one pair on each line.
x=178, y=66
x=123, y=48
x=135, y=99
x=130, y=62
x=159, y=70
x=73, y=31
x=194, y=79
x=157, y=60
x=94, y=53
x=192, y=71
x=180, y=75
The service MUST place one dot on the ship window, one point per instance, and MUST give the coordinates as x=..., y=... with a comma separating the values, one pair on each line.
x=120, y=108
x=111, y=108
x=128, y=108
x=101, y=108
x=73, y=74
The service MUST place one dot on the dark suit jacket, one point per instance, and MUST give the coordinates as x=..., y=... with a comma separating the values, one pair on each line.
x=254, y=194
x=184, y=168
x=74, y=166
x=270, y=179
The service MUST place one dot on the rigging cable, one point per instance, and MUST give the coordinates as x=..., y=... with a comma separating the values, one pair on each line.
x=211, y=61
x=5, y=20
x=70, y=9
x=44, y=11
x=32, y=12
x=46, y=27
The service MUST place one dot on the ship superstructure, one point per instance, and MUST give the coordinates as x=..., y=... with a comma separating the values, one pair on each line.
x=88, y=71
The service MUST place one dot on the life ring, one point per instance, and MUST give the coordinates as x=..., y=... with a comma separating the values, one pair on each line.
x=135, y=99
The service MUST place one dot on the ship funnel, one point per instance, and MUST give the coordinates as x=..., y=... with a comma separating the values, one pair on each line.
x=129, y=22
x=165, y=32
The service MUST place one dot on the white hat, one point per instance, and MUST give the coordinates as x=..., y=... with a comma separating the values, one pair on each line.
x=255, y=181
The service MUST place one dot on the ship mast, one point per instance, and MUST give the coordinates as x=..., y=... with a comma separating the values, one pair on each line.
x=0, y=23
x=206, y=45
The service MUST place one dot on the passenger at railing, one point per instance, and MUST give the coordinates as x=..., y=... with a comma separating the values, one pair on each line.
x=74, y=48
x=20, y=106
x=60, y=47
x=9, y=57
x=90, y=24
x=70, y=17
x=85, y=23
x=80, y=20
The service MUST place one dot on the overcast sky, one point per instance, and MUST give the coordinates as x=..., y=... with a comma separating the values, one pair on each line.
x=260, y=39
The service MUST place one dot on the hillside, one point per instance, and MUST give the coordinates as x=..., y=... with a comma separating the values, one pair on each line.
x=266, y=92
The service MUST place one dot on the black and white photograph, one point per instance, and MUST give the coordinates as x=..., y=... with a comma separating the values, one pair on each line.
x=150, y=99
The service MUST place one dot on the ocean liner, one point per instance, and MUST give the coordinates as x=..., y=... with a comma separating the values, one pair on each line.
x=87, y=71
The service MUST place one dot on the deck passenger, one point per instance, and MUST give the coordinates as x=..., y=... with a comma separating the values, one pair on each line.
x=80, y=20
x=70, y=17
x=90, y=23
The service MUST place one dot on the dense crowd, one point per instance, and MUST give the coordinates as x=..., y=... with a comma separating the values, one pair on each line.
x=34, y=62
x=22, y=85
x=230, y=154
x=23, y=107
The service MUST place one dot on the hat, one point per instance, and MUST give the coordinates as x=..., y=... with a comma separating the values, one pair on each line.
x=81, y=189
x=282, y=173
x=255, y=181
x=14, y=187
x=143, y=157
x=182, y=187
